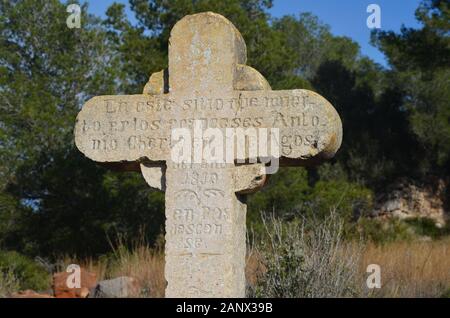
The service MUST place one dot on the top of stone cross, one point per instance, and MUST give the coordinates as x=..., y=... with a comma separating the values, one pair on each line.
x=207, y=62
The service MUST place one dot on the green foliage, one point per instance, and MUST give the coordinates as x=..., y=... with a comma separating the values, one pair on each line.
x=285, y=190
x=349, y=199
x=143, y=47
x=53, y=200
x=284, y=261
x=420, y=59
x=382, y=231
x=427, y=227
x=312, y=44
x=26, y=273
x=293, y=192
x=391, y=230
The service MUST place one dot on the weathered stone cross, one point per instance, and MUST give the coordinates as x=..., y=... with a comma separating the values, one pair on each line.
x=207, y=81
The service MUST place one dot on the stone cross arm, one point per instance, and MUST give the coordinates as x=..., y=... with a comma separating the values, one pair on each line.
x=132, y=128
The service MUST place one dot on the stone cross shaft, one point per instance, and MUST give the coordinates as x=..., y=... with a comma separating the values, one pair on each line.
x=207, y=81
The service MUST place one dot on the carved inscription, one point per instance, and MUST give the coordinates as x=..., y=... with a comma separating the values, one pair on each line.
x=143, y=125
x=203, y=218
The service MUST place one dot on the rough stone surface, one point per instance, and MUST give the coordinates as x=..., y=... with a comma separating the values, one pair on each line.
x=121, y=287
x=61, y=290
x=405, y=200
x=207, y=80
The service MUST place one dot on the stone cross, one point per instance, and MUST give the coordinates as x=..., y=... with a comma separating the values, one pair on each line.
x=208, y=82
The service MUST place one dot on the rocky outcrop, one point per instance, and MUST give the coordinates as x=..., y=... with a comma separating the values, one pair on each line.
x=410, y=200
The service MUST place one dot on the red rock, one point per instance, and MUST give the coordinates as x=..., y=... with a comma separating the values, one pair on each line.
x=61, y=290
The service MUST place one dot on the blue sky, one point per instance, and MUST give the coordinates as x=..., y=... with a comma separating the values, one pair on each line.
x=345, y=17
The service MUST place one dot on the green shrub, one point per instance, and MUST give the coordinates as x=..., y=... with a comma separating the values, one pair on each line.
x=291, y=193
x=284, y=193
x=392, y=229
x=426, y=227
x=8, y=283
x=306, y=258
x=28, y=274
x=349, y=199
x=382, y=231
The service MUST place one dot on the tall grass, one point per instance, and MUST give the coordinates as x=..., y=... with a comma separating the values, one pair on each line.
x=144, y=264
x=410, y=269
x=298, y=261
x=306, y=258
x=8, y=283
x=140, y=261
x=300, y=258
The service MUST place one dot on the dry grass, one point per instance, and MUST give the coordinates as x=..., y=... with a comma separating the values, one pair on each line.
x=97, y=266
x=141, y=262
x=254, y=267
x=144, y=264
x=410, y=269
